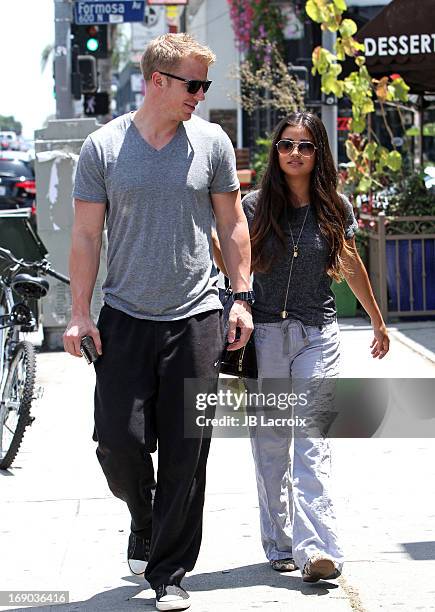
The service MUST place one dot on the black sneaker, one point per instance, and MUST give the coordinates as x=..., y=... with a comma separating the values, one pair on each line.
x=171, y=597
x=138, y=554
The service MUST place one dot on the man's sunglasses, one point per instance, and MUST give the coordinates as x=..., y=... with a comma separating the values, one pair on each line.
x=193, y=85
x=303, y=147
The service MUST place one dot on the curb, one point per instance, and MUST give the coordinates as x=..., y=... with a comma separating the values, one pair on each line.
x=413, y=345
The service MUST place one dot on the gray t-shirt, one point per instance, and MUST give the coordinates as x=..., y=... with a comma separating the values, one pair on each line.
x=158, y=215
x=310, y=298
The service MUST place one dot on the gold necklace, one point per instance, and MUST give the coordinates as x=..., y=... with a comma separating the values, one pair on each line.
x=284, y=313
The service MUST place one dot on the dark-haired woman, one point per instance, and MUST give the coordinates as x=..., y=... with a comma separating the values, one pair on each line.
x=302, y=237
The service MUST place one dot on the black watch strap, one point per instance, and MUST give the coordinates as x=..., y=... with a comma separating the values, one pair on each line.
x=245, y=296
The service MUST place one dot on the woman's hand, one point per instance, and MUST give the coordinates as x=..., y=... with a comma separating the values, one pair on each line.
x=381, y=343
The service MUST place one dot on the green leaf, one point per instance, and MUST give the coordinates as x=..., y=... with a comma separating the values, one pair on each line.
x=322, y=60
x=367, y=107
x=370, y=151
x=364, y=184
x=357, y=125
x=339, y=50
x=399, y=89
x=351, y=151
x=360, y=61
x=348, y=27
x=313, y=11
x=330, y=84
x=429, y=129
x=394, y=160
x=340, y=4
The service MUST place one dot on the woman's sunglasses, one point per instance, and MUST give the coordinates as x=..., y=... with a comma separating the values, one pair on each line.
x=193, y=85
x=303, y=147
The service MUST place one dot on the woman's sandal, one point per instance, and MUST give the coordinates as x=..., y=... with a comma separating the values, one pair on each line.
x=283, y=565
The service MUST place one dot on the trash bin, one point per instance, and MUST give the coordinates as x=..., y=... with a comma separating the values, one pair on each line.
x=57, y=149
x=344, y=299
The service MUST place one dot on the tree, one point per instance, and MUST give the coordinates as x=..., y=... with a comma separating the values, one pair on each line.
x=10, y=124
x=371, y=165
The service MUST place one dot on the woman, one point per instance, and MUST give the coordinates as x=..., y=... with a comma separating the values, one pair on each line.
x=302, y=237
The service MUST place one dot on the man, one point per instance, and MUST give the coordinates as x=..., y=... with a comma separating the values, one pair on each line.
x=157, y=176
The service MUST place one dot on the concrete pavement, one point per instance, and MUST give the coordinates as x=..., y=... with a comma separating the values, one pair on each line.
x=61, y=529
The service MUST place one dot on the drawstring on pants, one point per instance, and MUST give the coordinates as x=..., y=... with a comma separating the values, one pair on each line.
x=285, y=329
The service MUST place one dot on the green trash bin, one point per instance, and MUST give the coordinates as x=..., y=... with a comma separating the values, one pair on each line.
x=344, y=299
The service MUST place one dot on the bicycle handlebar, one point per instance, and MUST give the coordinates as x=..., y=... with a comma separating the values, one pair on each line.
x=57, y=275
x=42, y=265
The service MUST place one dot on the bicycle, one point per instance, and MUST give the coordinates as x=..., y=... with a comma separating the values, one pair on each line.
x=20, y=290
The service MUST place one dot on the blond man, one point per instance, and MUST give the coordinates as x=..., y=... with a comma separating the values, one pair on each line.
x=158, y=176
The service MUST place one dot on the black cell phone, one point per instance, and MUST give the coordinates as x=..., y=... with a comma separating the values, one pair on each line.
x=88, y=349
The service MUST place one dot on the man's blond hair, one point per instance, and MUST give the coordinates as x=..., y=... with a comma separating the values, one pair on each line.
x=166, y=52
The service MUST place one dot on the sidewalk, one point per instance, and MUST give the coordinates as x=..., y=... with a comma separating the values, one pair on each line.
x=417, y=335
x=61, y=529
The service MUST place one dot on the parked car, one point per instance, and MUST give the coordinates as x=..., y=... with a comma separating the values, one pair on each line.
x=8, y=140
x=17, y=183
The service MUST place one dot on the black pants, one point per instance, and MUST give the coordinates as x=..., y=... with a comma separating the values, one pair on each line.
x=138, y=402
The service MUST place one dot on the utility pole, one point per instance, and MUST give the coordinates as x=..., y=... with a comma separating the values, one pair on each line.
x=239, y=106
x=62, y=59
x=329, y=111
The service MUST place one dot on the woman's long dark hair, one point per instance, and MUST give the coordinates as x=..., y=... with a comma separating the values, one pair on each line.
x=275, y=196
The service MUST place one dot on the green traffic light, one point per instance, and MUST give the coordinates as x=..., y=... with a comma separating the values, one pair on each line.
x=92, y=44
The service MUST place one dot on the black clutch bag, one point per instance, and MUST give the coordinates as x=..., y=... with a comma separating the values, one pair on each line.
x=243, y=362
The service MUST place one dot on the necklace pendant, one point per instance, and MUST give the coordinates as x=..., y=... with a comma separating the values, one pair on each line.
x=284, y=314
x=295, y=251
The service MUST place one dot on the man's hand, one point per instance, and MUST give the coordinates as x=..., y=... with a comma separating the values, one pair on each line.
x=77, y=328
x=239, y=317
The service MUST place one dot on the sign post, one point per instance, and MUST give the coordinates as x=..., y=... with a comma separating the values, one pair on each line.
x=62, y=60
x=329, y=104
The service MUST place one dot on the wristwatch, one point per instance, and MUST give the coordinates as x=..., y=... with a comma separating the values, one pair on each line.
x=245, y=296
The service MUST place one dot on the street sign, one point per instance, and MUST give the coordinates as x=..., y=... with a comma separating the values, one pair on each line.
x=102, y=11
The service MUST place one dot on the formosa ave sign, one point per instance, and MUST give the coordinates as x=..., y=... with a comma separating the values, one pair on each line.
x=401, y=40
x=413, y=44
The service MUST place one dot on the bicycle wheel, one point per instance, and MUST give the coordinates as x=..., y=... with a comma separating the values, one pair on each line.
x=16, y=402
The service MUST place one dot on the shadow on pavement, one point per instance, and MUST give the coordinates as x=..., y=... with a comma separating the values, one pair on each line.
x=125, y=597
x=254, y=575
x=420, y=551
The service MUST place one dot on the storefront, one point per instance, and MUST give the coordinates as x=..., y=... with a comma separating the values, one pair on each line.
x=401, y=40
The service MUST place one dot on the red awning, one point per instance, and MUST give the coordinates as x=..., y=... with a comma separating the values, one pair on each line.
x=401, y=40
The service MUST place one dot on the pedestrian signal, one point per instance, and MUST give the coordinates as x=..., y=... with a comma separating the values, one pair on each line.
x=96, y=104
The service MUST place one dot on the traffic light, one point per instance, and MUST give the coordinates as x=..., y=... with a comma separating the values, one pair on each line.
x=90, y=39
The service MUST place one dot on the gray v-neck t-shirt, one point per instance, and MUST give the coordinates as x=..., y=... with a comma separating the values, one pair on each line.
x=158, y=214
x=310, y=297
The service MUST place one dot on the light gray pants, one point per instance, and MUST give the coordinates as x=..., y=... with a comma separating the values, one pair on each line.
x=297, y=517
